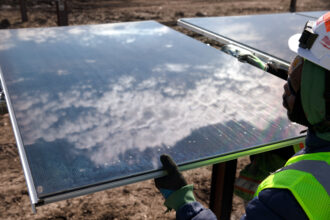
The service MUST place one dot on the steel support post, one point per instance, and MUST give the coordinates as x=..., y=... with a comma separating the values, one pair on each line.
x=62, y=13
x=23, y=10
x=293, y=5
x=222, y=188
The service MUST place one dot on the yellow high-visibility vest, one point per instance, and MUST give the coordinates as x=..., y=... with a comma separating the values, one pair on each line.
x=307, y=176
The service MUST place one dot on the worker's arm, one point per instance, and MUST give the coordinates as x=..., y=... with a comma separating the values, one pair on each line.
x=274, y=204
x=179, y=195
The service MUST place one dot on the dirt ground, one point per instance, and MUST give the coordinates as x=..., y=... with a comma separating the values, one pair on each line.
x=135, y=201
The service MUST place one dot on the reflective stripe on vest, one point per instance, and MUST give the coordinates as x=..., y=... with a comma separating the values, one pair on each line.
x=319, y=169
x=307, y=177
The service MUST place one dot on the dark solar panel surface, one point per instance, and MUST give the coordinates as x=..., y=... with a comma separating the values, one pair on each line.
x=265, y=33
x=97, y=103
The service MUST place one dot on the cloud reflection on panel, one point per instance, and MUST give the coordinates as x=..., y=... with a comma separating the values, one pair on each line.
x=247, y=32
x=93, y=115
x=242, y=31
x=149, y=113
x=5, y=42
x=267, y=33
x=88, y=35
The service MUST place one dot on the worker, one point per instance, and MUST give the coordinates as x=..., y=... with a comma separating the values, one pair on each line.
x=301, y=189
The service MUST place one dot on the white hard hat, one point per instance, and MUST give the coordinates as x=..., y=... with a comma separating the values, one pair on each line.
x=314, y=43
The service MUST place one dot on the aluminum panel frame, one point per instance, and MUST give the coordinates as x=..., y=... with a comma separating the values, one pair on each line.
x=21, y=151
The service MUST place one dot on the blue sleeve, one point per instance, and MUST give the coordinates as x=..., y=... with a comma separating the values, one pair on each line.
x=274, y=204
x=194, y=211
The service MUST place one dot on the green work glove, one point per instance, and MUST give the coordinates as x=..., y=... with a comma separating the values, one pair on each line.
x=173, y=186
x=253, y=60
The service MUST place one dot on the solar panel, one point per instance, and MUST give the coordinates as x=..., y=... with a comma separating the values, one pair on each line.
x=94, y=107
x=312, y=14
x=267, y=34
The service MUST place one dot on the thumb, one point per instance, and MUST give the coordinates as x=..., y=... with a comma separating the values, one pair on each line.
x=168, y=164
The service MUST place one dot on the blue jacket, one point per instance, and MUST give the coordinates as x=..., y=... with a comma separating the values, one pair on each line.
x=271, y=204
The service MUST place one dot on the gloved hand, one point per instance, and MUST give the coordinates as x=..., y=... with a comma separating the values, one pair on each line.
x=173, y=186
x=243, y=55
x=174, y=179
x=253, y=60
x=277, y=70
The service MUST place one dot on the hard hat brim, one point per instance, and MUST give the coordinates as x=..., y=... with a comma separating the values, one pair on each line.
x=294, y=46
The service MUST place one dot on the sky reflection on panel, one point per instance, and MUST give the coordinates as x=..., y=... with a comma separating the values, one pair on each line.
x=96, y=103
x=267, y=33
